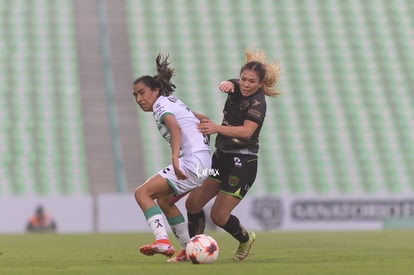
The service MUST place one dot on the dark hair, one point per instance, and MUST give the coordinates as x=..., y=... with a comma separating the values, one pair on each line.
x=162, y=79
x=256, y=66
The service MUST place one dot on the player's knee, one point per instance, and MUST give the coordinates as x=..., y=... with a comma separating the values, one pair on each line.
x=218, y=219
x=189, y=204
x=139, y=193
x=192, y=206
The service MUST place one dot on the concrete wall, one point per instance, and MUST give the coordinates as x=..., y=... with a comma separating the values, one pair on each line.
x=119, y=213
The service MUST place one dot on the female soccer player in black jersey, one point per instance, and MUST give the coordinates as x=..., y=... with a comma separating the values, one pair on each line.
x=237, y=144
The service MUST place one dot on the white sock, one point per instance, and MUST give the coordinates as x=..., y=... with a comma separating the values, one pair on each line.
x=181, y=233
x=180, y=229
x=156, y=223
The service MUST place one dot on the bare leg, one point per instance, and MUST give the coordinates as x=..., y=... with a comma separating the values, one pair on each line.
x=154, y=187
x=195, y=202
x=175, y=220
x=221, y=216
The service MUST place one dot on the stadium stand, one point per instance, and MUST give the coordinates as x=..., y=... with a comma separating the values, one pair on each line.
x=42, y=134
x=343, y=124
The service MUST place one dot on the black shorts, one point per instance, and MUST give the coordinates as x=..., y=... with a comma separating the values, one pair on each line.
x=235, y=172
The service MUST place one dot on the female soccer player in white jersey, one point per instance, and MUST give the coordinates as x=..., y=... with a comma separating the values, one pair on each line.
x=190, y=153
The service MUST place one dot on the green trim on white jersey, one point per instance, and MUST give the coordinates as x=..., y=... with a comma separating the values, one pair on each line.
x=191, y=139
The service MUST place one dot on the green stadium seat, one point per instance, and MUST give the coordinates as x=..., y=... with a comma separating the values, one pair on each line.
x=343, y=125
x=38, y=48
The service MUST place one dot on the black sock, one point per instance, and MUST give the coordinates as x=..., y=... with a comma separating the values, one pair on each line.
x=196, y=223
x=235, y=229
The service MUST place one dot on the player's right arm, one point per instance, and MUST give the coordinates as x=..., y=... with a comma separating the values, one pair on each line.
x=200, y=116
x=244, y=131
x=175, y=141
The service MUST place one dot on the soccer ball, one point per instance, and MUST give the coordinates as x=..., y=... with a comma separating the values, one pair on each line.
x=202, y=249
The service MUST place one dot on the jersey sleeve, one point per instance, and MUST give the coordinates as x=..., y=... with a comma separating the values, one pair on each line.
x=235, y=81
x=257, y=110
x=161, y=109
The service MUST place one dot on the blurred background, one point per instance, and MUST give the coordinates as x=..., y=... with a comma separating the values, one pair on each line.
x=337, y=148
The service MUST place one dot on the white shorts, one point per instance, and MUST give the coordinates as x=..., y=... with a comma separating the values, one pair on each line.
x=196, y=167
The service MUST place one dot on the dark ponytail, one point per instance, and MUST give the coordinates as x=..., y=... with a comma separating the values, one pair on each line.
x=162, y=79
x=164, y=75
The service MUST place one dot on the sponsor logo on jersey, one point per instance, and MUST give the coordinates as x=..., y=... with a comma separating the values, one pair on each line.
x=233, y=180
x=255, y=113
x=243, y=105
x=256, y=103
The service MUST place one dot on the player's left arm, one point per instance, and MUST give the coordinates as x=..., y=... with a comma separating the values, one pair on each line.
x=175, y=141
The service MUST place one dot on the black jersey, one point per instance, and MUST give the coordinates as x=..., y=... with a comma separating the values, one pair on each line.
x=237, y=109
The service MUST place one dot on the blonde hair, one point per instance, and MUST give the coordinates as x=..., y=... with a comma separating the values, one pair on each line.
x=271, y=70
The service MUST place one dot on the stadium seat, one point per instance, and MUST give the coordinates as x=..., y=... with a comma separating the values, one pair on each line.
x=343, y=124
x=41, y=56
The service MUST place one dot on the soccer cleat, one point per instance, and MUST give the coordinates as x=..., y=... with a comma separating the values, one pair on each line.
x=163, y=247
x=181, y=257
x=244, y=248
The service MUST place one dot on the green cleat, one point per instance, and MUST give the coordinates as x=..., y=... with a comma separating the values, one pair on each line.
x=244, y=248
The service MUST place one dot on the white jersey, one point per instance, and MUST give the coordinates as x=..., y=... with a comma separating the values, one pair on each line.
x=192, y=140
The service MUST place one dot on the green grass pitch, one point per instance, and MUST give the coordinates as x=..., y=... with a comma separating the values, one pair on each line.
x=373, y=252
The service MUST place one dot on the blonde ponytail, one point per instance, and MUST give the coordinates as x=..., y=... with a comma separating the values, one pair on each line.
x=272, y=71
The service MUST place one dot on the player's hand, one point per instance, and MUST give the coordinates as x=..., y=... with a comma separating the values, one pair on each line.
x=178, y=173
x=226, y=87
x=207, y=127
